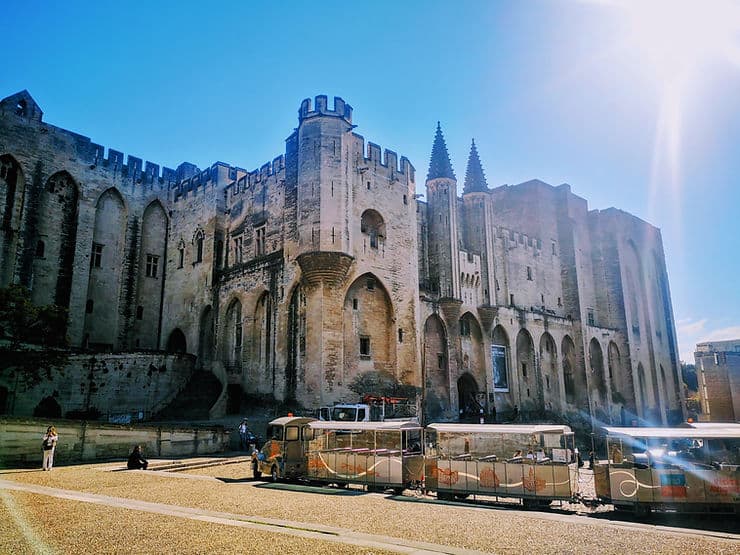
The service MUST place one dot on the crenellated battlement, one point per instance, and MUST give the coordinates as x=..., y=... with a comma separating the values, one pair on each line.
x=134, y=168
x=389, y=159
x=341, y=109
x=248, y=180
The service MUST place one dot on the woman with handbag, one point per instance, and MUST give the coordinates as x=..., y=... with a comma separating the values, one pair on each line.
x=48, y=445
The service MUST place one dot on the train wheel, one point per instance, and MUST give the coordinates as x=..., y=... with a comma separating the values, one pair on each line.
x=398, y=491
x=274, y=474
x=445, y=496
x=642, y=510
x=256, y=471
x=530, y=504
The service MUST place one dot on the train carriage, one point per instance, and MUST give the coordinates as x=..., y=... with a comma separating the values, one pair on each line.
x=694, y=469
x=377, y=455
x=534, y=463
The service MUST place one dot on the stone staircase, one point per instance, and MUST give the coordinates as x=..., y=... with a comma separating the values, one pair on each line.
x=194, y=401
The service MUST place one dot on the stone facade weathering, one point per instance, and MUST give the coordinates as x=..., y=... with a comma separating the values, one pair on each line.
x=293, y=280
x=718, y=372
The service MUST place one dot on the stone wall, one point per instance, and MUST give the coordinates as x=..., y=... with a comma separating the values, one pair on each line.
x=20, y=441
x=130, y=383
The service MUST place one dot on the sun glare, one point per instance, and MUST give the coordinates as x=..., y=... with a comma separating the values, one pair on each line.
x=677, y=37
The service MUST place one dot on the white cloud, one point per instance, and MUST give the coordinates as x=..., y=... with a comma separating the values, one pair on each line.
x=690, y=332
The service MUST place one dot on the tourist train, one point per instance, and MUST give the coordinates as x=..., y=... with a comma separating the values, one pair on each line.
x=689, y=469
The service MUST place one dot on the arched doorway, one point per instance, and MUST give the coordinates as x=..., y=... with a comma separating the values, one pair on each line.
x=467, y=397
x=436, y=369
x=176, y=342
x=48, y=407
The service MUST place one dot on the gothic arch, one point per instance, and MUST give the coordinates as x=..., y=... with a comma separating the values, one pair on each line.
x=176, y=342
x=530, y=386
x=104, y=284
x=262, y=332
x=372, y=226
x=574, y=376
x=597, y=383
x=501, y=355
x=205, y=338
x=436, y=373
x=56, y=225
x=297, y=329
x=369, y=336
x=233, y=330
x=550, y=374
x=12, y=197
x=471, y=346
x=151, y=274
x=467, y=397
x=620, y=377
x=646, y=401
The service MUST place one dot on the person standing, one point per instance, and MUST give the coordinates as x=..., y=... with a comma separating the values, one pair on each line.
x=243, y=434
x=48, y=446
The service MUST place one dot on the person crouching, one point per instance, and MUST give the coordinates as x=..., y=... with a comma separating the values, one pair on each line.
x=136, y=459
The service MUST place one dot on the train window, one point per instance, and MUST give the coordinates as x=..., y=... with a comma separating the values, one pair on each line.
x=275, y=432
x=291, y=433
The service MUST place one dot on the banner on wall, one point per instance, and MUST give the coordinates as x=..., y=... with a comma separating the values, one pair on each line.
x=500, y=370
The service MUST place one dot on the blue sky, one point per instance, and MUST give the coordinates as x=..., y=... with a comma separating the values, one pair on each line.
x=563, y=91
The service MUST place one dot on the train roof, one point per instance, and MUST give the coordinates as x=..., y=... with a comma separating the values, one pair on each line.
x=731, y=431
x=501, y=428
x=295, y=420
x=713, y=425
x=366, y=426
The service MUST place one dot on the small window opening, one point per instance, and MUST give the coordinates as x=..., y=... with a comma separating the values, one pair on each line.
x=529, y=273
x=364, y=346
x=400, y=335
x=355, y=304
x=370, y=284
x=40, y=248
x=524, y=369
x=139, y=312
x=511, y=299
x=152, y=266
x=96, y=260
x=181, y=257
x=89, y=306
x=21, y=109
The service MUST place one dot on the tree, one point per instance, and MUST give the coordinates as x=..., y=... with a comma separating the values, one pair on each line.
x=688, y=373
x=23, y=322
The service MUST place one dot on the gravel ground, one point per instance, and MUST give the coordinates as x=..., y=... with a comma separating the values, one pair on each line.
x=495, y=530
x=63, y=526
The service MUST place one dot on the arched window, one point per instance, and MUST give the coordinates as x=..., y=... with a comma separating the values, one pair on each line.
x=373, y=226
x=181, y=254
x=199, y=239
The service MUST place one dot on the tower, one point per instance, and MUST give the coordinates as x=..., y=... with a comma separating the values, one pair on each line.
x=441, y=187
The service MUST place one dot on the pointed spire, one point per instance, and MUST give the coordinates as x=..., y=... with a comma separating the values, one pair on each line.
x=440, y=165
x=475, y=179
